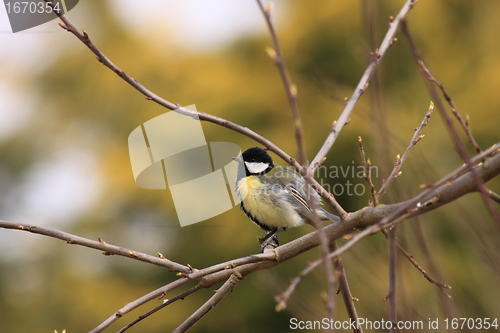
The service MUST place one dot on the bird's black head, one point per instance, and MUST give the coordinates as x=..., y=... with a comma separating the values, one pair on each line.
x=257, y=161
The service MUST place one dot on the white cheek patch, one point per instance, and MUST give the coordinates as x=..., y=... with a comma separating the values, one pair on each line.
x=256, y=167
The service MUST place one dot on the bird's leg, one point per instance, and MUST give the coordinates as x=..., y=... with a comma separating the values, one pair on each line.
x=269, y=241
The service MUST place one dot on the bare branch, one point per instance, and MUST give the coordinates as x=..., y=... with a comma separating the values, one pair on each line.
x=226, y=269
x=465, y=123
x=255, y=258
x=392, y=296
x=98, y=245
x=291, y=90
x=494, y=196
x=429, y=80
x=363, y=83
x=429, y=278
x=220, y=294
x=160, y=292
x=367, y=164
x=442, y=192
x=451, y=187
x=400, y=160
x=166, y=302
x=85, y=39
x=283, y=298
x=344, y=289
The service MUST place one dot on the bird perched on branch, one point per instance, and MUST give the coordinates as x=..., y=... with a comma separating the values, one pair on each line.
x=275, y=197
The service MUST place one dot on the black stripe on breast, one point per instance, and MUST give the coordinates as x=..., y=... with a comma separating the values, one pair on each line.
x=255, y=220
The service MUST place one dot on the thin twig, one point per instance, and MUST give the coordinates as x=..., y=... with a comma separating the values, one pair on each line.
x=108, y=249
x=282, y=299
x=138, y=302
x=464, y=123
x=387, y=42
x=219, y=295
x=433, y=197
x=392, y=296
x=447, y=306
x=85, y=39
x=429, y=278
x=330, y=277
x=254, y=258
x=430, y=81
x=494, y=196
x=400, y=159
x=345, y=290
x=367, y=164
x=166, y=302
x=197, y=274
x=451, y=187
x=291, y=92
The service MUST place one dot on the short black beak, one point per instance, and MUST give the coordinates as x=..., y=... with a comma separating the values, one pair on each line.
x=237, y=158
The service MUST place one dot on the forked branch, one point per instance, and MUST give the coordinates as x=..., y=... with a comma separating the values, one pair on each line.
x=400, y=159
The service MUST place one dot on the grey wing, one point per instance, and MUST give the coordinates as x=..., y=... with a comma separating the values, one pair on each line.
x=299, y=195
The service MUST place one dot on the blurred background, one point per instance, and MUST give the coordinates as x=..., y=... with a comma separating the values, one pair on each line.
x=64, y=163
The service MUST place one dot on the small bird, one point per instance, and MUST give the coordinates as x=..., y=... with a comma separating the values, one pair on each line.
x=274, y=198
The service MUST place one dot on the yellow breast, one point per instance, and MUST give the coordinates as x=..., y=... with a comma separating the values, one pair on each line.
x=264, y=207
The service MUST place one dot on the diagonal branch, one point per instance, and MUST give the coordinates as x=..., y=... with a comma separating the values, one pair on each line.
x=449, y=188
x=400, y=160
x=346, y=292
x=98, y=245
x=85, y=39
x=392, y=295
x=464, y=123
x=291, y=90
x=429, y=80
x=494, y=196
x=169, y=301
x=363, y=83
x=220, y=294
x=429, y=278
x=367, y=165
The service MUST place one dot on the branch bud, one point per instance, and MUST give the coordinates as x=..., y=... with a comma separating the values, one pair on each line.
x=431, y=106
x=269, y=8
x=271, y=53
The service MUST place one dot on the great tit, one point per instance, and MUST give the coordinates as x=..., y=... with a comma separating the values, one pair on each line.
x=275, y=197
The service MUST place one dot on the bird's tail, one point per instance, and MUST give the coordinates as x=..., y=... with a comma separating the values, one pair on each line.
x=324, y=215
